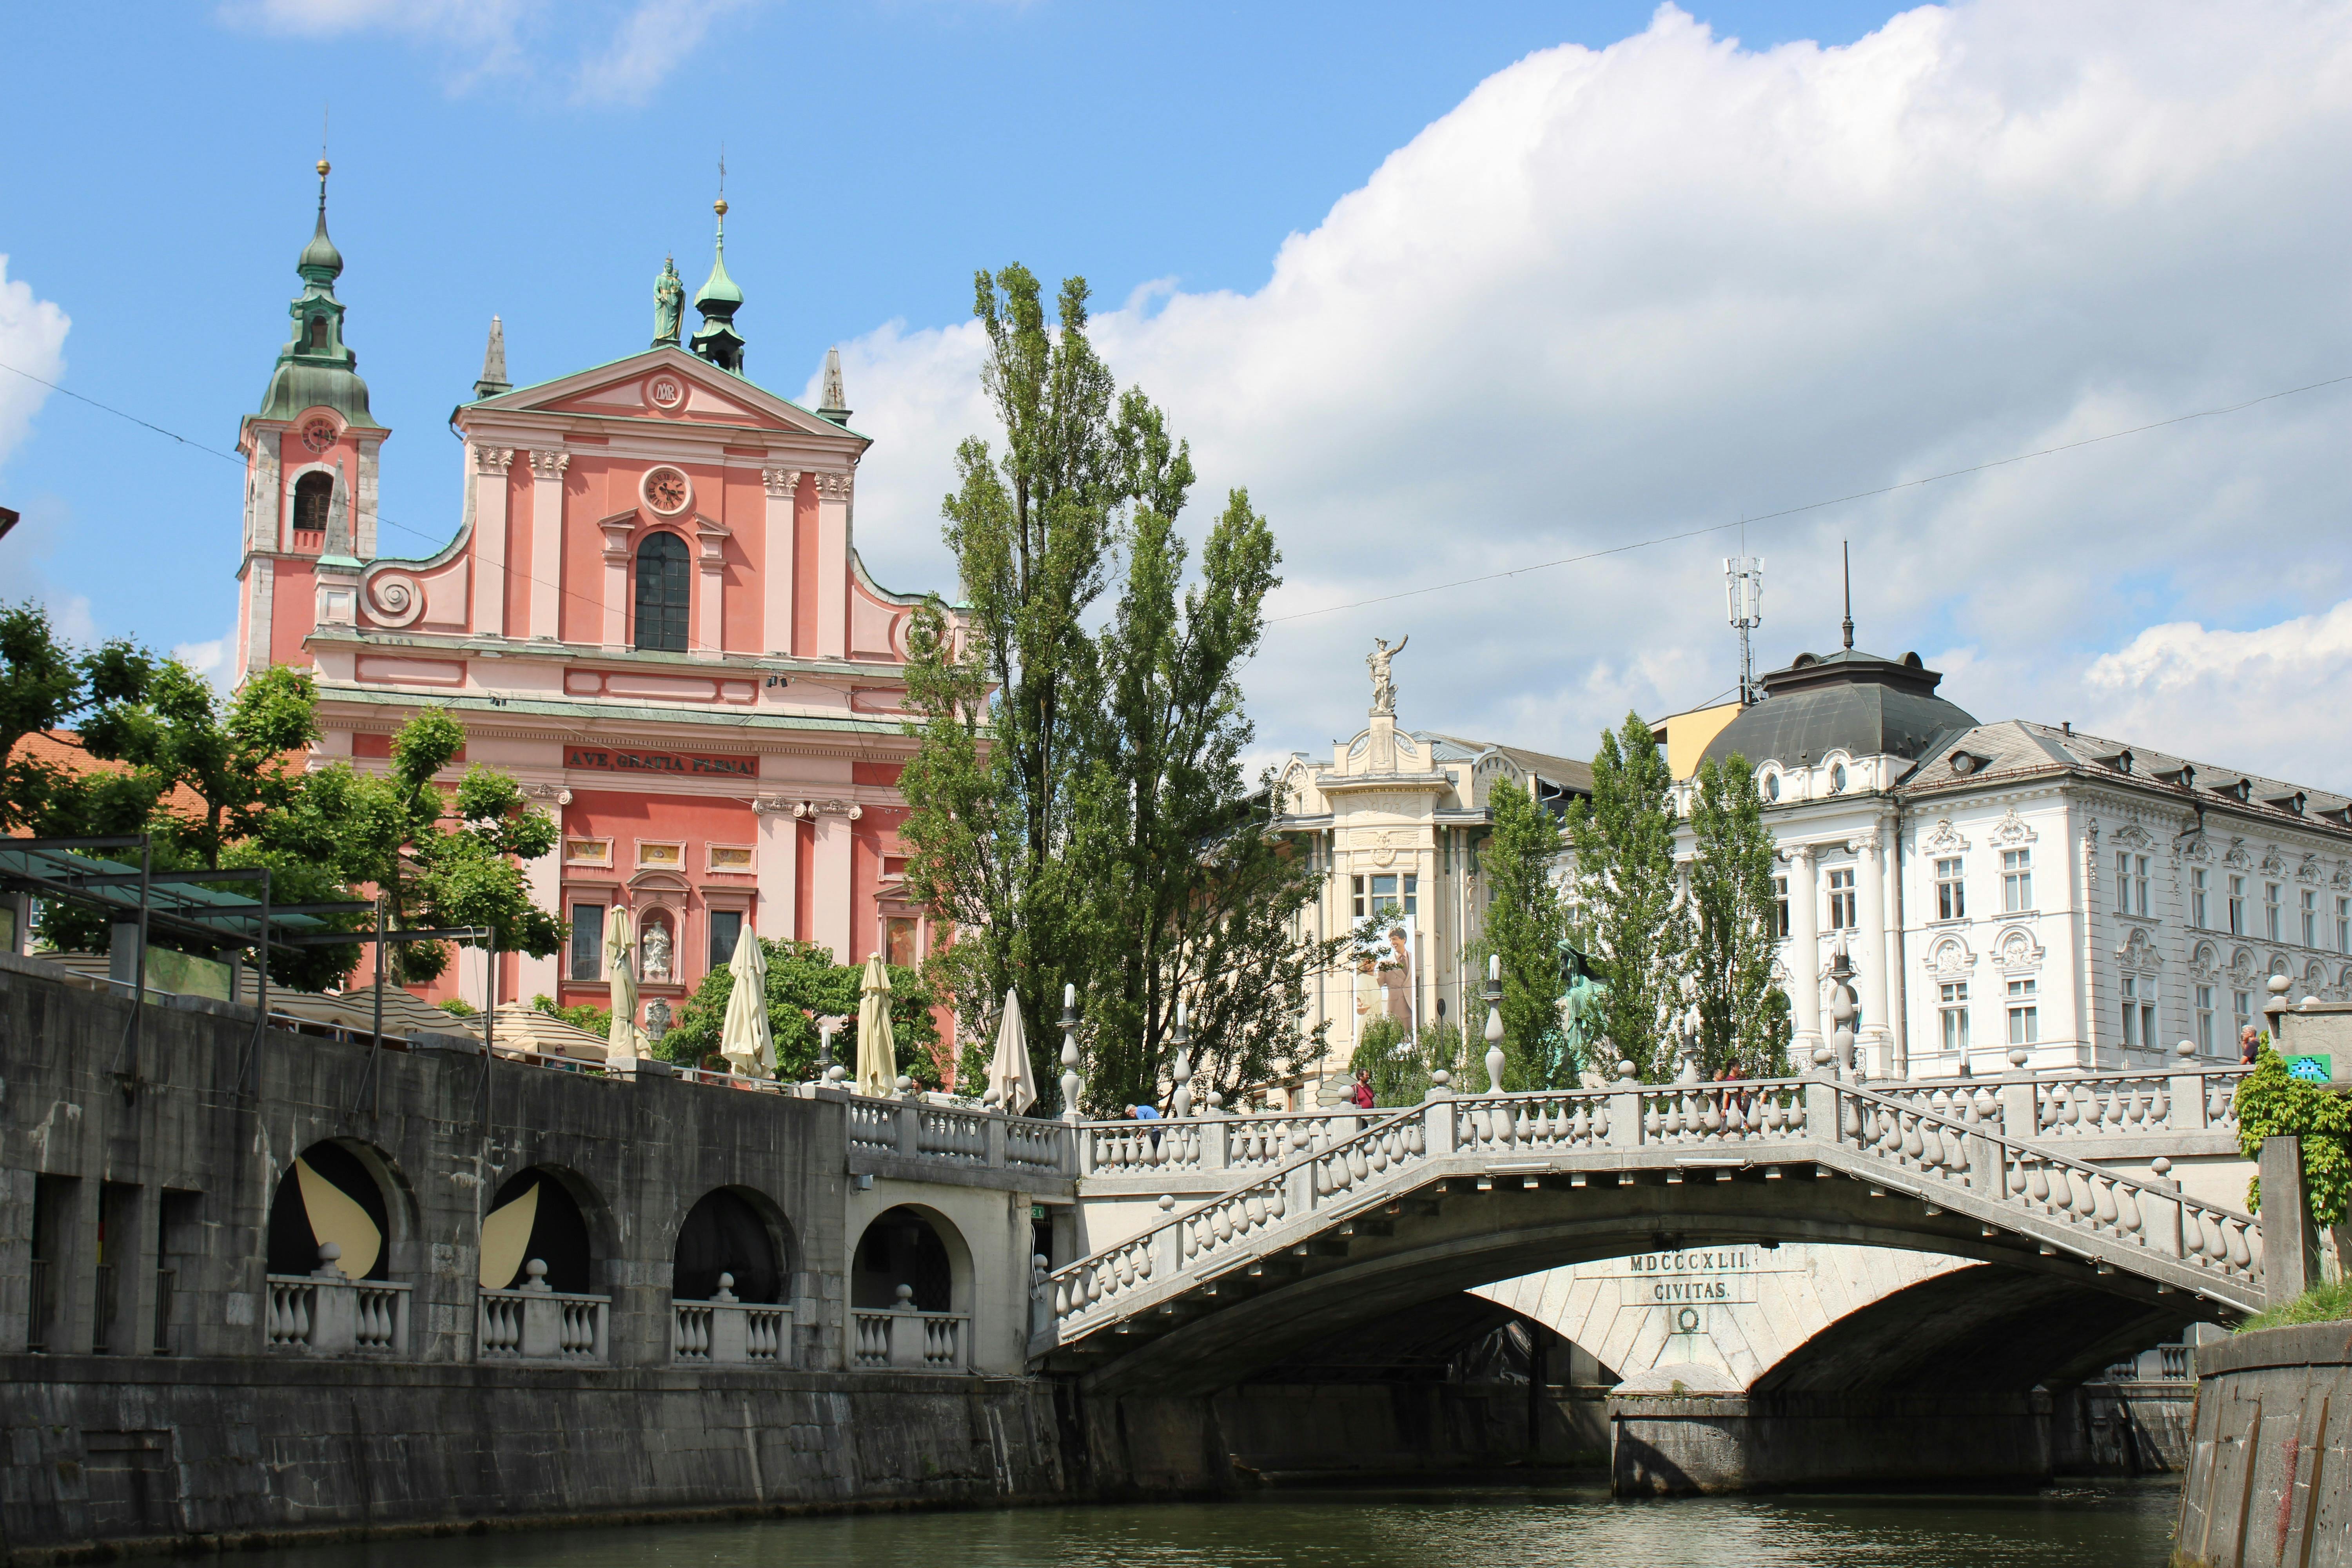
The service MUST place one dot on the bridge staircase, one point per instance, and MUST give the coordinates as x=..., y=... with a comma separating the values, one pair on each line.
x=1466, y=1188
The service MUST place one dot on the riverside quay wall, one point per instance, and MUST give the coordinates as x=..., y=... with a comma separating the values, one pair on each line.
x=263, y=1284
x=2270, y=1462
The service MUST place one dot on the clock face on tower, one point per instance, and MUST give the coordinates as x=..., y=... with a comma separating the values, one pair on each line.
x=667, y=491
x=318, y=434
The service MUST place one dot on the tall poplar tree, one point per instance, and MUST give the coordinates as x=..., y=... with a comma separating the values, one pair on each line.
x=1526, y=921
x=1743, y=1015
x=1079, y=814
x=1631, y=917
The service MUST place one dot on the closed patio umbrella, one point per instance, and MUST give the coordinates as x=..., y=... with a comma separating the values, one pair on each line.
x=878, y=1051
x=1009, y=1081
x=628, y=1041
x=745, y=1039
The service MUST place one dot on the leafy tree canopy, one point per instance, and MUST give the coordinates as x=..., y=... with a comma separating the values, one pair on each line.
x=804, y=984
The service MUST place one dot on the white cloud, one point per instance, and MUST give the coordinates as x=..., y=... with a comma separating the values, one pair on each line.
x=2260, y=699
x=32, y=343
x=1621, y=293
x=603, y=52
x=208, y=659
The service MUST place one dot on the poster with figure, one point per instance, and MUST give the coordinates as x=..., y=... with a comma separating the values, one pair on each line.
x=1388, y=943
x=1365, y=987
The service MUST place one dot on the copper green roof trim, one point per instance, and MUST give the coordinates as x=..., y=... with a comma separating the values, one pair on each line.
x=316, y=367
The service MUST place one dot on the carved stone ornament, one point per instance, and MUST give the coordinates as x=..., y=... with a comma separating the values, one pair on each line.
x=666, y=390
x=2343, y=876
x=2309, y=870
x=2132, y=836
x=551, y=793
x=783, y=483
x=2274, y=862
x=492, y=460
x=1865, y=844
x=550, y=465
x=2012, y=831
x=2139, y=953
x=811, y=808
x=833, y=487
x=2236, y=856
x=2017, y=953
x=2204, y=963
x=666, y=491
x=1951, y=957
x=1944, y=840
x=774, y=806
x=2242, y=965
x=1796, y=854
x=395, y=599
x=2196, y=847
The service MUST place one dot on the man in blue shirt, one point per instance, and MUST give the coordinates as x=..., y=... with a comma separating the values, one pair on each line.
x=1147, y=1113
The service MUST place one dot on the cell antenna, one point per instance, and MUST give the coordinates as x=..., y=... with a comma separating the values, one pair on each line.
x=1743, y=577
x=1845, y=553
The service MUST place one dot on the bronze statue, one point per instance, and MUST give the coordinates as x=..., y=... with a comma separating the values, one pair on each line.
x=669, y=302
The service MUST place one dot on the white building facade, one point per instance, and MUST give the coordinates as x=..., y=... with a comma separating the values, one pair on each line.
x=2016, y=886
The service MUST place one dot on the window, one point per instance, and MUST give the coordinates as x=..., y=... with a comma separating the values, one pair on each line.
x=2131, y=884
x=2270, y=911
x=726, y=930
x=312, y=494
x=2205, y=1019
x=2242, y=1009
x=1837, y=778
x=2016, y=880
x=1842, y=901
x=587, y=941
x=2024, y=1014
x=318, y=343
x=670, y=856
x=664, y=593
x=1374, y=894
x=1951, y=895
x=2237, y=906
x=2310, y=917
x=2139, y=1013
x=1954, y=1008
x=1781, y=901
x=2197, y=897
x=2344, y=925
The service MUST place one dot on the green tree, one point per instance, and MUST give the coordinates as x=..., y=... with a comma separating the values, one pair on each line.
x=1078, y=814
x=1526, y=921
x=804, y=984
x=2272, y=1102
x=1631, y=919
x=1403, y=1065
x=47, y=686
x=239, y=760
x=1743, y=1014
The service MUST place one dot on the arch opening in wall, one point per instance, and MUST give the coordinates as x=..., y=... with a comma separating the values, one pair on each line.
x=534, y=1218
x=332, y=1195
x=911, y=1247
x=314, y=493
x=727, y=1232
x=665, y=592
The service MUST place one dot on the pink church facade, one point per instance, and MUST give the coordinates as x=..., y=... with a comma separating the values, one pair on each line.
x=652, y=614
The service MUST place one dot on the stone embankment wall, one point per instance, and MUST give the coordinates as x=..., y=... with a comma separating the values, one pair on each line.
x=2270, y=1467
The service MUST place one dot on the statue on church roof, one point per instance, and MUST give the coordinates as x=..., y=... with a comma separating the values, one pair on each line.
x=1383, y=683
x=669, y=303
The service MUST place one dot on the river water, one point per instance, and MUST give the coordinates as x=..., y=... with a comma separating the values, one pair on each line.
x=2120, y=1526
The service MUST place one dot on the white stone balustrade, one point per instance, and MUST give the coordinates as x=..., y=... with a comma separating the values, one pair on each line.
x=731, y=1334
x=906, y=1339
x=311, y=1314
x=2083, y=1105
x=535, y=1323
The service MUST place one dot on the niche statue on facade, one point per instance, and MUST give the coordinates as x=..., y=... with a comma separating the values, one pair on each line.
x=655, y=951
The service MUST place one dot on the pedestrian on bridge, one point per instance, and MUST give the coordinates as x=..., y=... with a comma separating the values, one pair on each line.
x=1147, y=1113
x=2249, y=1044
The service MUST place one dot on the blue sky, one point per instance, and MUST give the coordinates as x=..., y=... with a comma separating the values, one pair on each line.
x=1729, y=304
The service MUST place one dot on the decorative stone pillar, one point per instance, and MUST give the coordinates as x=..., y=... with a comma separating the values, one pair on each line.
x=710, y=593
x=1804, y=954
x=615, y=617
x=1875, y=1044
x=779, y=558
x=491, y=539
x=832, y=566
x=778, y=867
x=547, y=543
x=830, y=923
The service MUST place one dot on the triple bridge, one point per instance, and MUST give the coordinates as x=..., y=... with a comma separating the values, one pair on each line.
x=1222, y=1244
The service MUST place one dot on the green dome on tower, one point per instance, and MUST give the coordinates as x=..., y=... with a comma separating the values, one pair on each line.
x=316, y=367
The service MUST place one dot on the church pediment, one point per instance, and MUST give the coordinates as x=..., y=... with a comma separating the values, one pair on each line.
x=666, y=384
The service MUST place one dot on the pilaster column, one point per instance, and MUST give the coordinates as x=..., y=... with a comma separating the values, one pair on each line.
x=544, y=878
x=363, y=497
x=710, y=593
x=830, y=921
x=546, y=542
x=778, y=868
x=833, y=567
x=781, y=553
x=491, y=539
x=1876, y=1041
x=1804, y=956
x=615, y=616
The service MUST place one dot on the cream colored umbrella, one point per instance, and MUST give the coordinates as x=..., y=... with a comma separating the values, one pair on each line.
x=878, y=1051
x=1009, y=1083
x=628, y=1041
x=745, y=1038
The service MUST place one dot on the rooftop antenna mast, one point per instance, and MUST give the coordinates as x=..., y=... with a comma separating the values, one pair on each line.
x=1743, y=578
x=1845, y=554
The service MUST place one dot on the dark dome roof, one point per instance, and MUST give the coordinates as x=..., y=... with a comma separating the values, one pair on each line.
x=1847, y=701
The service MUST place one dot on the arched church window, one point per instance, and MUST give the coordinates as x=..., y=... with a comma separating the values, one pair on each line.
x=312, y=492
x=662, y=592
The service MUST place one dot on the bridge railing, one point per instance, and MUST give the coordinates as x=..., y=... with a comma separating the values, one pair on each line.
x=2079, y=1105
x=951, y=1138
x=1214, y=1142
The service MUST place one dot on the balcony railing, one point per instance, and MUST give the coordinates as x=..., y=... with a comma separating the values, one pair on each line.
x=535, y=1323
x=905, y=1339
x=314, y=1315
x=727, y=1332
